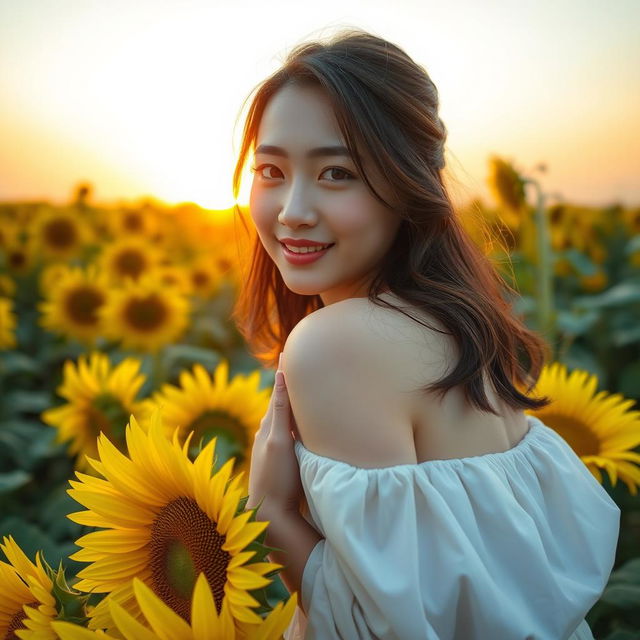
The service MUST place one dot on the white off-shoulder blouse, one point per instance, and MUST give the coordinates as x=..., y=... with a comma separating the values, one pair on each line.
x=515, y=545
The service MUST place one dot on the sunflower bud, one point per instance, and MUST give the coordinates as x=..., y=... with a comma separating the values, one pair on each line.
x=505, y=184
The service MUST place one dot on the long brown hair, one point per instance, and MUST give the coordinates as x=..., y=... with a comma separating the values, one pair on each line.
x=386, y=103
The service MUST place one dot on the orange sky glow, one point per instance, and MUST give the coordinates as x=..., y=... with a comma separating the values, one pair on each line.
x=141, y=99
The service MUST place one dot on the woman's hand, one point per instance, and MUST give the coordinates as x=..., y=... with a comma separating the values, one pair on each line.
x=274, y=473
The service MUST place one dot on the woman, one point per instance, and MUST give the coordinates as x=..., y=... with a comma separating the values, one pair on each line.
x=437, y=509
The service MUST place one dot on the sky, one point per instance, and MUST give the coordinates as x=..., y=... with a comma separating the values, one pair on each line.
x=145, y=97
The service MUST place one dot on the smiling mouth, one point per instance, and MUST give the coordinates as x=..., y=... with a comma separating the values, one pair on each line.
x=314, y=248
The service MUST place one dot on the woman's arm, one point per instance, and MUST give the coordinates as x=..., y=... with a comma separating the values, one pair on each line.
x=289, y=531
x=275, y=489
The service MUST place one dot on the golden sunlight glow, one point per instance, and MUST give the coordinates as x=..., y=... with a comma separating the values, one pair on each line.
x=142, y=107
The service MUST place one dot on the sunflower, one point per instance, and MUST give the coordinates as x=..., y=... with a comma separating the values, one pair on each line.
x=142, y=221
x=145, y=315
x=165, y=520
x=20, y=256
x=50, y=275
x=100, y=398
x=631, y=220
x=27, y=605
x=214, y=406
x=506, y=186
x=167, y=625
x=9, y=232
x=60, y=233
x=204, y=276
x=600, y=427
x=7, y=286
x=7, y=324
x=73, y=304
x=130, y=258
x=175, y=277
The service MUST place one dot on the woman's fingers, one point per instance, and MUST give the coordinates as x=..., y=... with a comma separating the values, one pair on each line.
x=267, y=420
x=280, y=425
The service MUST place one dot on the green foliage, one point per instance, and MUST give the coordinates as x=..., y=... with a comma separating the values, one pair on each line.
x=617, y=613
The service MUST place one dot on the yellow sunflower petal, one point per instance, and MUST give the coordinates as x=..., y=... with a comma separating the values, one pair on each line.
x=206, y=623
x=166, y=624
x=128, y=625
x=69, y=631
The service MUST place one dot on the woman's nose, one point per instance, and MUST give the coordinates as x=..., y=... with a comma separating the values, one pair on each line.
x=297, y=210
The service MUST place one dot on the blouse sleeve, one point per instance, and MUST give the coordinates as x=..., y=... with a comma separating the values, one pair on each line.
x=517, y=545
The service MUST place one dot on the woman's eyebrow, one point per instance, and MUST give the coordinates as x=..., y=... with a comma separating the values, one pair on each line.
x=312, y=153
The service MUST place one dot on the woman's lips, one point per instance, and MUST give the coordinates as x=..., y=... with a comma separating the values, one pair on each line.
x=303, y=258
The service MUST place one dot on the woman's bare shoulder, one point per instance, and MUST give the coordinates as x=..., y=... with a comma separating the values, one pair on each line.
x=409, y=353
x=354, y=369
x=346, y=395
x=401, y=325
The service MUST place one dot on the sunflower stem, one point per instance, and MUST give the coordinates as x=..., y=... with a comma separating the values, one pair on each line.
x=158, y=373
x=544, y=269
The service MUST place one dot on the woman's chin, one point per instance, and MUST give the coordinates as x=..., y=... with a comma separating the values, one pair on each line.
x=303, y=290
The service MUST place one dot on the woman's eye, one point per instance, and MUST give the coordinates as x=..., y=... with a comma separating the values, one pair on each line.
x=259, y=169
x=339, y=171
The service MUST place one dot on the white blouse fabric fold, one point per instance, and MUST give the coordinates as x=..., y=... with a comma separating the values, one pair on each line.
x=516, y=545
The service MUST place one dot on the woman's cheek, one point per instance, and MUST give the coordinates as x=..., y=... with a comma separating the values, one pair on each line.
x=352, y=218
x=261, y=217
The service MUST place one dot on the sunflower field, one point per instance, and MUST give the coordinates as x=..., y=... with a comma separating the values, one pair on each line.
x=129, y=402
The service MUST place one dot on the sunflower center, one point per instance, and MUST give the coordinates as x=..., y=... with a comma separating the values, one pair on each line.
x=60, y=234
x=146, y=313
x=169, y=279
x=82, y=305
x=180, y=566
x=130, y=262
x=132, y=222
x=185, y=543
x=16, y=622
x=107, y=414
x=200, y=279
x=581, y=438
x=17, y=259
x=231, y=436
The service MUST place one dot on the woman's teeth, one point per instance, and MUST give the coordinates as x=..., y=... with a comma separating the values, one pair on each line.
x=306, y=249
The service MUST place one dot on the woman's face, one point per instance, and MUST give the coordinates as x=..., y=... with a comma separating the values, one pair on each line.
x=316, y=196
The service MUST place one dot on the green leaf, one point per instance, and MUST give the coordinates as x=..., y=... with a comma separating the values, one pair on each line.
x=633, y=245
x=578, y=357
x=13, y=480
x=629, y=335
x=15, y=362
x=52, y=515
x=620, y=294
x=181, y=356
x=27, y=442
x=30, y=538
x=628, y=572
x=577, y=323
x=622, y=634
x=629, y=380
x=20, y=401
x=624, y=596
x=579, y=261
x=70, y=604
x=524, y=305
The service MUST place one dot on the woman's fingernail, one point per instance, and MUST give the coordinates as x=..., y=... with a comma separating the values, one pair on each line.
x=280, y=361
